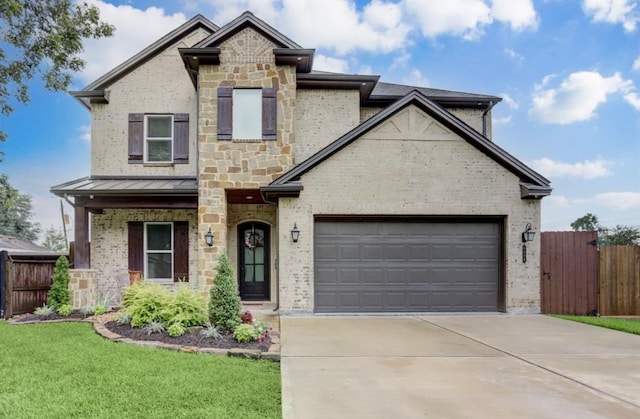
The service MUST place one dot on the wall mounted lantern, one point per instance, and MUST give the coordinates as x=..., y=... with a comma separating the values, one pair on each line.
x=208, y=238
x=295, y=233
x=528, y=234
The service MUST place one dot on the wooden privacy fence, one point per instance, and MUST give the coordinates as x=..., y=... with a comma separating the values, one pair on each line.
x=577, y=278
x=568, y=272
x=619, y=280
x=25, y=280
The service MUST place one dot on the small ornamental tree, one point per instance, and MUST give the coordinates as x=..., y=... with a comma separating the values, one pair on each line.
x=224, y=299
x=59, y=294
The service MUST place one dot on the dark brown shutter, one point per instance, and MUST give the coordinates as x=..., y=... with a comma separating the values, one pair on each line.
x=136, y=137
x=180, y=251
x=136, y=245
x=269, y=113
x=225, y=113
x=181, y=138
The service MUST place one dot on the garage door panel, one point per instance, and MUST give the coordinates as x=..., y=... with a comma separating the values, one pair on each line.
x=414, y=266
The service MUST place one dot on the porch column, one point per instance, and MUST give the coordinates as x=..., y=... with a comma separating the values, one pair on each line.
x=81, y=238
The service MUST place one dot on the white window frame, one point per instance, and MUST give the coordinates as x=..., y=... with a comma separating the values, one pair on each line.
x=240, y=98
x=147, y=252
x=147, y=138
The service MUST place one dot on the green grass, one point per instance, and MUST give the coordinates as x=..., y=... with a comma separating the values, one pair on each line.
x=623, y=325
x=65, y=370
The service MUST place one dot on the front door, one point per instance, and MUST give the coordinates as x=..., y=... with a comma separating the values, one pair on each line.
x=253, y=261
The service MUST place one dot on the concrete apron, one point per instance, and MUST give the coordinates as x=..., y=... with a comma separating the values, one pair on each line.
x=496, y=366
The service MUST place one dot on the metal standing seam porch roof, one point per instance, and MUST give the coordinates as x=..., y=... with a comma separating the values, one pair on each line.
x=130, y=185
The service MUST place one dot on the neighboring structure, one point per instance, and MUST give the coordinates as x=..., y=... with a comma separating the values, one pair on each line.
x=13, y=246
x=401, y=200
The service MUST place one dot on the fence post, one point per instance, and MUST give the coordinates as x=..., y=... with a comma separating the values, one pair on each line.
x=3, y=282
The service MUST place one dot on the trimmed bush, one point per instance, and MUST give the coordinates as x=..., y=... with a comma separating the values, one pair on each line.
x=245, y=333
x=187, y=308
x=224, y=299
x=59, y=294
x=146, y=302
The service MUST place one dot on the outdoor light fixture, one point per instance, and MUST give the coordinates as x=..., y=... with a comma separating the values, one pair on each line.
x=528, y=234
x=208, y=238
x=295, y=233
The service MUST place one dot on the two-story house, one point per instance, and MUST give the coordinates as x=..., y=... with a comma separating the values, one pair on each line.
x=329, y=192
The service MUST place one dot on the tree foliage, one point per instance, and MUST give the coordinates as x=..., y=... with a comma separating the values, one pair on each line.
x=619, y=235
x=16, y=211
x=54, y=240
x=224, y=299
x=43, y=37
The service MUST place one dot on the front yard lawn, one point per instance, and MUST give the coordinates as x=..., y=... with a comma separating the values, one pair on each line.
x=66, y=370
x=623, y=325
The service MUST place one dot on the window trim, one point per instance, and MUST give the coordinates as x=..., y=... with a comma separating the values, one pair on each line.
x=146, y=251
x=146, y=138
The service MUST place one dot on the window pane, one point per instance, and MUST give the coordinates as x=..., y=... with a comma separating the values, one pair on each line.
x=259, y=269
x=248, y=276
x=247, y=114
x=159, y=126
x=158, y=236
x=159, y=150
x=159, y=265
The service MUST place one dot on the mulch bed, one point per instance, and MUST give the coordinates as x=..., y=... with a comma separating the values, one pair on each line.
x=191, y=338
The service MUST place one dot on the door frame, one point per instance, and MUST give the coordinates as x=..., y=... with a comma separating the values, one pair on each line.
x=266, y=295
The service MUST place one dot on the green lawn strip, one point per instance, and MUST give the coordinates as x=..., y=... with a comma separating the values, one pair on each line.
x=623, y=325
x=66, y=370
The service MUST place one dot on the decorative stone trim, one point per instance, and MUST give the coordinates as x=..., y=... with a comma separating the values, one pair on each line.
x=82, y=284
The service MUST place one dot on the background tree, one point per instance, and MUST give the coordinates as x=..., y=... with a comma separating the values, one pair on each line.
x=588, y=222
x=620, y=235
x=16, y=211
x=54, y=240
x=43, y=37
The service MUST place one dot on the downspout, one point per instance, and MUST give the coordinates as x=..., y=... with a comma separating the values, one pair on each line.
x=484, y=117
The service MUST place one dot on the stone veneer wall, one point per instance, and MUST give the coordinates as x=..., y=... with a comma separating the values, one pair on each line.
x=82, y=284
x=110, y=248
x=433, y=174
x=246, y=60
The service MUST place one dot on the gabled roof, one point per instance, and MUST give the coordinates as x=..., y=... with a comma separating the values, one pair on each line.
x=94, y=92
x=14, y=245
x=530, y=180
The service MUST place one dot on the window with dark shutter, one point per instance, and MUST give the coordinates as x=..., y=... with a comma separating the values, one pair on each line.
x=225, y=113
x=136, y=137
x=136, y=245
x=181, y=138
x=181, y=251
x=269, y=114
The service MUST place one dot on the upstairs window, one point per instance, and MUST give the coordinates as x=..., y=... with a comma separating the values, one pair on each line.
x=247, y=114
x=158, y=138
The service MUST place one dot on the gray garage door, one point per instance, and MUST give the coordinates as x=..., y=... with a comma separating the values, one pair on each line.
x=392, y=266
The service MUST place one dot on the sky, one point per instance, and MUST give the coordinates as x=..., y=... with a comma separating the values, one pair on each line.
x=568, y=72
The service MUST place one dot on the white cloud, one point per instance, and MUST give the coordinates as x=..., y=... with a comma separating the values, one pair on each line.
x=636, y=64
x=415, y=78
x=509, y=101
x=334, y=65
x=618, y=200
x=585, y=170
x=513, y=54
x=519, y=14
x=613, y=11
x=84, y=132
x=633, y=99
x=135, y=30
x=577, y=97
x=464, y=18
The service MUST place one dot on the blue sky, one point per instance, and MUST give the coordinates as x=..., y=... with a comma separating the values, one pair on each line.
x=568, y=72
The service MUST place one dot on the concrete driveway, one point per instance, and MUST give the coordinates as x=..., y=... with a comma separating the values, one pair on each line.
x=458, y=366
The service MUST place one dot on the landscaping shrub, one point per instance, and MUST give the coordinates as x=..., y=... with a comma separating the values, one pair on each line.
x=44, y=311
x=245, y=333
x=224, y=299
x=187, y=308
x=65, y=310
x=146, y=302
x=59, y=294
x=176, y=329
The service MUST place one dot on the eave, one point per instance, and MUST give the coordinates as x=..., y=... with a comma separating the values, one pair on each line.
x=363, y=83
x=272, y=193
